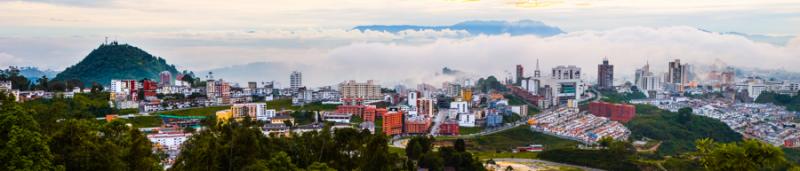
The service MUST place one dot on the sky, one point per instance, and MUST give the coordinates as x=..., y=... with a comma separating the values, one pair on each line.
x=316, y=37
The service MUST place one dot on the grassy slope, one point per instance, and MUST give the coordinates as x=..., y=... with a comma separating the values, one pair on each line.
x=677, y=138
x=517, y=137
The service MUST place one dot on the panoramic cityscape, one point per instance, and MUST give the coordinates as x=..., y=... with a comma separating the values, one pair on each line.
x=407, y=85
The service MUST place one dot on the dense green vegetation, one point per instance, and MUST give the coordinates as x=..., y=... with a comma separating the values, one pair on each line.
x=203, y=111
x=242, y=146
x=615, y=155
x=143, y=121
x=286, y=104
x=469, y=130
x=52, y=137
x=517, y=137
x=116, y=61
x=747, y=155
x=677, y=131
x=791, y=103
x=489, y=84
x=615, y=97
x=81, y=106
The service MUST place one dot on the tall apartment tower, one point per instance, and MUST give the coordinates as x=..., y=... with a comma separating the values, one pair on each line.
x=165, y=78
x=605, y=75
x=520, y=74
x=678, y=75
x=296, y=80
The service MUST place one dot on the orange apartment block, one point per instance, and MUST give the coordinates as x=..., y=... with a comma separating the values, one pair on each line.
x=418, y=125
x=393, y=123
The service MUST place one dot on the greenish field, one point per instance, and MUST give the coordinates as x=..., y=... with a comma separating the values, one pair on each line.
x=286, y=104
x=492, y=155
x=143, y=121
x=206, y=111
x=516, y=137
x=469, y=130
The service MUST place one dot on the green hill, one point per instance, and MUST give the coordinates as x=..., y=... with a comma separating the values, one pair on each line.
x=677, y=134
x=116, y=61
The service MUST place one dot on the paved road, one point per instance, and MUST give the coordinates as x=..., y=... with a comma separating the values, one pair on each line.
x=531, y=162
x=437, y=120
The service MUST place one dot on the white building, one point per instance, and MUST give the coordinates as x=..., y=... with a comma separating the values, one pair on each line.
x=466, y=119
x=5, y=86
x=368, y=91
x=412, y=98
x=296, y=80
x=337, y=117
x=169, y=141
x=460, y=106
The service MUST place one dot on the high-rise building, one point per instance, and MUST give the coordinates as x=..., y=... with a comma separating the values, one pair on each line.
x=520, y=74
x=166, y=78
x=218, y=91
x=645, y=80
x=425, y=107
x=678, y=75
x=149, y=88
x=296, y=80
x=367, y=90
x=566, y=72
x=605, y=75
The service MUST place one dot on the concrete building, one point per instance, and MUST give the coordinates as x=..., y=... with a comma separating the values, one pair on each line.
x=255, y=111
x=412, y=98
x=460, y=106
x=466, y=120
x=165, y=78
x=368, y=90
x=646, y=81
x=218, y=91
x=417, y=125
x=519, y=75
x=678, y=75
x=605, y=75
x=337, y=117
x=5, y=86
x=425, y=107
x=295, y=80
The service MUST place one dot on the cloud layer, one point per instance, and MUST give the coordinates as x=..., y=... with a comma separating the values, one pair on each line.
x=329, y=56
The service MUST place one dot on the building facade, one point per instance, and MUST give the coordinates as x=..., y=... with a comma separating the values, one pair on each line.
x=368, y=90
x=605, y=76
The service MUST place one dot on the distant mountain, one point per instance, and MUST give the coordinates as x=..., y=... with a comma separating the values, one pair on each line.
x=256, y=71
x=116, y=61
x=477, y=27
x=775, y=40
x=33, y=73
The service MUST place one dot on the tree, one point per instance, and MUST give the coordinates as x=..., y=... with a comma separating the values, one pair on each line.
x=684, y=115
x=748, y=155
x=22, y=147
x=460, y=145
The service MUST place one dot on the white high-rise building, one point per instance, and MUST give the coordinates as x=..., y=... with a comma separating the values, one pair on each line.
x=647, y=81
x=412, y=98
x=296, y=80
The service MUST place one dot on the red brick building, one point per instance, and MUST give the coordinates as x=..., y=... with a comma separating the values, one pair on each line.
x=356, y=107
x=418, y=125
x=149, y=88
x=393, y=123
x=616, y=112
x=449, y=128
